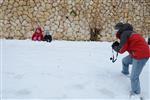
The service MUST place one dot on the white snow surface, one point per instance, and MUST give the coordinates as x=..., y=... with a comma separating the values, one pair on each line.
x=64, y=70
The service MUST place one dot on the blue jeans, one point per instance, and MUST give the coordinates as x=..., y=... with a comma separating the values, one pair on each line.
x=137, y=66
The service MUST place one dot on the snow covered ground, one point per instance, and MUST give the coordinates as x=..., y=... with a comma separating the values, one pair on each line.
x=63, y=70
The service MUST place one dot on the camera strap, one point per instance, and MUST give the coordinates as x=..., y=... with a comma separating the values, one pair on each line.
x=113, y=58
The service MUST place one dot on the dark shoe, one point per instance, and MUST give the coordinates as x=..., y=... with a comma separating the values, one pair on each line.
x=135, y=96
x=125, y=73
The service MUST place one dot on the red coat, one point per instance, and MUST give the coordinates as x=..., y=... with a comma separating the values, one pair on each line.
x=137, y=47
x=37, y=36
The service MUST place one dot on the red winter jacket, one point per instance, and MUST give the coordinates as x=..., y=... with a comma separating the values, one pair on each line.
x=136, y=46
x=37, y=36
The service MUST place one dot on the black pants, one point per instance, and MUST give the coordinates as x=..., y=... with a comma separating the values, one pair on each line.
x=149, y=40
x=48, y=38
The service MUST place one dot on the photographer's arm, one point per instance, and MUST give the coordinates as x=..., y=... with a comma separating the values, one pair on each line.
x=123, y=42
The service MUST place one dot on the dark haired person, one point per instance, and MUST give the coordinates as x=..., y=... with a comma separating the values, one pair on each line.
x=138, y=50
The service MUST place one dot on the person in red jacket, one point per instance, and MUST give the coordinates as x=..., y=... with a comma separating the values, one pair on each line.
x=37, y=36
x=138, y=50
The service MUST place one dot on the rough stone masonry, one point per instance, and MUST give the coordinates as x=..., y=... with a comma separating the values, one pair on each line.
x=72, y=19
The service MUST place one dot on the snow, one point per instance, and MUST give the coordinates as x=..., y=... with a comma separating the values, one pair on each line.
x=64, y=70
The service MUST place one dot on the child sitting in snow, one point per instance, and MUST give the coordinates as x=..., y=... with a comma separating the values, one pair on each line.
x=37, y=36
x=47, y=36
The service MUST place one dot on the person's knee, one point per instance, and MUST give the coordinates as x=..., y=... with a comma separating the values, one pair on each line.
x=134, y=78
x=124, y=60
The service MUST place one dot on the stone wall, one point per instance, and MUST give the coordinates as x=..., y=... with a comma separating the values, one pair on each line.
x=72, y=19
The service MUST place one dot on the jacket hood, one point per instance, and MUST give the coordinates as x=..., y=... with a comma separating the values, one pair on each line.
x=125, y=27
x=122, y=28
x=39, y=28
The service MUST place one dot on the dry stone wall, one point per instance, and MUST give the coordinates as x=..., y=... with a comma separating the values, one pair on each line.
x=72, y=19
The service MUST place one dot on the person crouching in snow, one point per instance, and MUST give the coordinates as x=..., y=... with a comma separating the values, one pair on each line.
x=37, y=36
x=138, y=50
x=47, y=36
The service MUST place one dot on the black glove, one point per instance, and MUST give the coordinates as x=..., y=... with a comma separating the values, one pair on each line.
x=115, y=44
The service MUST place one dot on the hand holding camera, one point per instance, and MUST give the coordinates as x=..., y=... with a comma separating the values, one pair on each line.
x=114, y=47
x=115, y=44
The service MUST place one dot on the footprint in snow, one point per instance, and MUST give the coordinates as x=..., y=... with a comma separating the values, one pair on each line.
x=23, y=92
x=19, y=76
x=106, y=92
x=78, y=86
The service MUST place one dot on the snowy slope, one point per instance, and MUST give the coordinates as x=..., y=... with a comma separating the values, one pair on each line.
x=62, y=69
